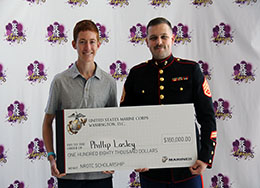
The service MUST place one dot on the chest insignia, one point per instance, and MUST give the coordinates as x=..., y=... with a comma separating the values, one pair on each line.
x=181, y=78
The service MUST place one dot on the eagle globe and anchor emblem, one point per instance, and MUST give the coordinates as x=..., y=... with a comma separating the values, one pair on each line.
x=75, y=125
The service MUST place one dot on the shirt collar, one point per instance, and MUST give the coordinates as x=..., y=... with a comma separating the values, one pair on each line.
x=74, y=72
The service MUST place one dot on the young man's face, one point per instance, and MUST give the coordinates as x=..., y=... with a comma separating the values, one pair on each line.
x=86, y=45
x=160, y=40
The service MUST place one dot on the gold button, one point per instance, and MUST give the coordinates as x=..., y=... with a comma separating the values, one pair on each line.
x=161, y=71
x=165, y=63
x=178, y=59
x=156, y=63
x=214, y=144
x=161, y=87
x=212, y=152
x=210, y=161
x=161, y=96
x=142, y=91
x=181, y=88
x=161, y=79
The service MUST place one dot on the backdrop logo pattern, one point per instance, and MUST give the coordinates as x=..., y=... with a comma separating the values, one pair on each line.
x=181, y=33
x=36, y=150
x=102, y=33
x=52, y=183
x=243, y=72
x=242, y=149
x=77, y=2
x=3, y=157
x=118, y=3
x=36, y=1
x=2, y=74
x=204, y=66
x=245, y=2
x=220, y=181
x=15, y=32
x=158, y=3
x=17, y=184
x=222, y=34
x=222, y=109
x=134, y=180
x=56, y=33
x=199, y=3
x=36, y=72
x=118, y=70
x=138, y=34
x=16, y=112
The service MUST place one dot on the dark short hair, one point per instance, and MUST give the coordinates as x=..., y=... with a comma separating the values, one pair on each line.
x=157, y=21
x=85, y=25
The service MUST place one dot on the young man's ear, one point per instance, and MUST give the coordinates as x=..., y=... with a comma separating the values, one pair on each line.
x=74, y=44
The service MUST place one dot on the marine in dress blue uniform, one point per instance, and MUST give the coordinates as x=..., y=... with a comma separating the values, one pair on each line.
x=174, y=81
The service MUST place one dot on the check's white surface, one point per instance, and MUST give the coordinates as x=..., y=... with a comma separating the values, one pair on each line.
x=158, y=136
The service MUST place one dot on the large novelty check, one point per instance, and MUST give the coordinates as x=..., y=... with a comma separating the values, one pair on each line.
x=102, y=139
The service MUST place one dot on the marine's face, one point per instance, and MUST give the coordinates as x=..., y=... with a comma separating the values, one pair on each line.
x=160, y=40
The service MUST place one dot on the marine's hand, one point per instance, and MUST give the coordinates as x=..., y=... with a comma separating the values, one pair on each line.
x=109, y=172
x=198, y=167
x=54, y=171
x=141, y=169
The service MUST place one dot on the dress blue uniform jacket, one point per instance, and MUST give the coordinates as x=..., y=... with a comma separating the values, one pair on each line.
x=174, y=81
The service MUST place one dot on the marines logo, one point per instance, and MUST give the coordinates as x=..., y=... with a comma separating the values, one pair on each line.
x=75, y=125
x=164, y=159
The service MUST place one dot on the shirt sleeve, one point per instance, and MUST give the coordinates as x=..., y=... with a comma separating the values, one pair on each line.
x=53, y=100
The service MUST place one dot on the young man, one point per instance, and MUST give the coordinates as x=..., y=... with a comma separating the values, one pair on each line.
x=84, y=85
x=169, y=80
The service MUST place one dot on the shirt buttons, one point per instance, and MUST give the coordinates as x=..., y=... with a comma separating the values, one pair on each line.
x=181, y=88
x=161, y=87
x=161, y=71
x=210, y=161
x=161, y=97
x=161, y=79
x=142, y=91
x=212, y=152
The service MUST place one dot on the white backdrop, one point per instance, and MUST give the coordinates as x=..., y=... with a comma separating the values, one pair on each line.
x=35, y=44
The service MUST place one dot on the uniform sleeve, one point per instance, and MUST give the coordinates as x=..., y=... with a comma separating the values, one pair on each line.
x=205, y=116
